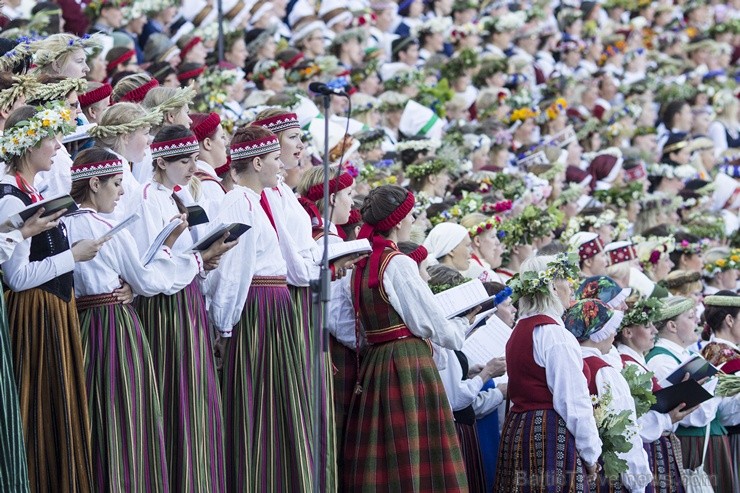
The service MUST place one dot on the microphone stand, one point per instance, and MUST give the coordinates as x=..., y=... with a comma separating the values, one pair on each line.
x=321, y=294
x=220, y=11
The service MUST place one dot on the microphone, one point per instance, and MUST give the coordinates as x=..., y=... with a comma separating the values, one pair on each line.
x=321, y=88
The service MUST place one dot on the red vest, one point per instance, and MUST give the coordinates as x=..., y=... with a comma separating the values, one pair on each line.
x=591, y=366
x=203, y=176
x=528, y=388
x=627, y=357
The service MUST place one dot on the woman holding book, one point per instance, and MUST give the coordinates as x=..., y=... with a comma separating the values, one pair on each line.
x=676, y=324
x=176, y=324
x=635, y=338
x=721, y=318
x=594, y=324
x=266, y=414
x=127, y=433
x=549, y=393
x=400, y=431
x=44, y=328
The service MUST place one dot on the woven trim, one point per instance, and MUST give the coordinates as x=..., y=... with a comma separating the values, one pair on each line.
x=206, y=127
x=23, y=85
x=341, y=182
x=715, y=300
x=87, y=302
x=590, y=249
x=668, y=312
x=51, y=92
x=91, y=97
x=137, y=95
x=153, y=117
x=254, y=148
x=104, y=168
x=269, y=281
x=279, y=123
x=177, y=147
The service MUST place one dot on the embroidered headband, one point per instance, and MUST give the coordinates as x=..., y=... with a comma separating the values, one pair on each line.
x=254, y=148
x=590, y=249
x=279, y=123
x=622, y=254
x=176, y=147
x=137, y=95
x=98, y=94
x=103, y=168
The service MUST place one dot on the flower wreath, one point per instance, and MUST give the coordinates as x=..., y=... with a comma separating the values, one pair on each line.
x=564, y=266
x=428, y=168
x=557, y=107
x=522, y=114
x=723, y=264
x=531, y=224
x=264, y=70
x=50, y=120
x=689, y=248
x=484, y=226
x=643, y=312
x=496, y=208
x=419, y=145
x=621, y=197
x=666, y=244
x=87, y=42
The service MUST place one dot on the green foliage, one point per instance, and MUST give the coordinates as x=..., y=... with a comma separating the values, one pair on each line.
x=641, y=388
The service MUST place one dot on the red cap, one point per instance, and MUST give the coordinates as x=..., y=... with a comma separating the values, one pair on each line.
x=137, y=95
x=206, y=126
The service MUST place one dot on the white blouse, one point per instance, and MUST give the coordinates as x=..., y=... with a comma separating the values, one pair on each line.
x=129, y=200
x=58, y=180
x=257, y=254
x=119, y=259
x=212, y=193
x=663, y=365
x=652, y=424
x=558, y=351
x=157, y=209
x=638, y=473
x=20, y=273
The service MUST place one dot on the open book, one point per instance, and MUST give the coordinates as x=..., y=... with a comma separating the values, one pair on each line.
x=344, y=248
x=51, y=206
x=122, y=225
x=458, y=300
x=159, y=241
x=487, y=342
x=697, y=367
x=235, y=230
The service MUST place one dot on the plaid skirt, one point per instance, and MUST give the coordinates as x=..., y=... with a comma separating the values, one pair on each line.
x=344, y=361
x=538, y=454
x=13, y=468
x=735, y=454
x=177, y=330
x=264, y=390
x=664, y=457
x=400, y=434
x=717, y=463
x=320, y=405
x=471, y=455
x=50, y=377
x=127, y=433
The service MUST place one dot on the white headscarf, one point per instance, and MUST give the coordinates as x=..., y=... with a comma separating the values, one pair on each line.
x=442, y=239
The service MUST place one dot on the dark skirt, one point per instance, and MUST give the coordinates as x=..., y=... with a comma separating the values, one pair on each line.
x=717, y=463
x=13, y=468
x=127, y=434
x=321, y=403
x=470, y=448
x=264, y=391
x=177, y=330
x=50, y=375
x=400, y=434
x=734, y=439
x=664, y=457
x=538, y=454
x=488, y=439
x=344, y=362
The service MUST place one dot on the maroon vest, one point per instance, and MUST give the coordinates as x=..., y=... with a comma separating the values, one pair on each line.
x=528, y=388
x=379, y=319
x=591, y=366
x=627, y=357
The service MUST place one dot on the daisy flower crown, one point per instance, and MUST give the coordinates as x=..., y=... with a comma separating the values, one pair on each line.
x=564, y=266
x=50, y=120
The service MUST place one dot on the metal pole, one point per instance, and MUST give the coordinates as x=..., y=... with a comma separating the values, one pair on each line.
x=220, y=7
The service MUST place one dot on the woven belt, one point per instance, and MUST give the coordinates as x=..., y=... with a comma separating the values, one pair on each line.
x=388, y=334
x=86, y=302
x=269, y=281
x=201, y=16
x=235, y=10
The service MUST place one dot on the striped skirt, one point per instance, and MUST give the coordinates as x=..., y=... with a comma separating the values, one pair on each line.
x=323, y=410
x=344, y=361
x=177, y=330
x=265, y=406
x=538, y=454
x=717, y=463
x=664, y=457
x=470, y=448
x=735, y=454
x=127, y=434
x=400, y=434
x=50, y=375
x=13, y=468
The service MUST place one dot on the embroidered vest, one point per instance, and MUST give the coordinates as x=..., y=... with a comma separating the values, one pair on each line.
x=528, y=388
x=47, y=244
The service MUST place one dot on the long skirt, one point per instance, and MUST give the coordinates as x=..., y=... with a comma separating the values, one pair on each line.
x=265, y=407
x=488, y=439
x=13, y=468
x=734, y=437
x=177, y=330
x=323, y=410
x=50, y=376
x=468, y=436
x=538, y=454
x=607, y=485
x=344, y=361
x=664, y=457
x=717, y=463
x=400, y=434
x=127, y=434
